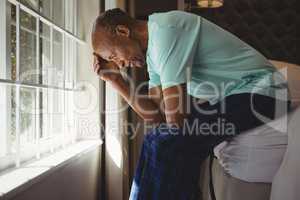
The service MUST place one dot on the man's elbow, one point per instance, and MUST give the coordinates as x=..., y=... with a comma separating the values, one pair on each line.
x=176, y=119
x=153, y=118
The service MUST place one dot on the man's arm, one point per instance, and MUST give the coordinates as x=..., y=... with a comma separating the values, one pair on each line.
x=144, y=106
x=156, y=94
x=159, y=106
x=175, y=101
x=168, y=105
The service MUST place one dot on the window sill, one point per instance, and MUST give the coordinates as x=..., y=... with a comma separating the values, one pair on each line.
x=21, y=178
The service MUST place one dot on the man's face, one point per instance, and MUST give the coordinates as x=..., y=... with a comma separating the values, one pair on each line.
x=119, y=48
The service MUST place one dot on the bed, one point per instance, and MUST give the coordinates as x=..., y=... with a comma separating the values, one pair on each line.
x=247, y=165
x=271, y=27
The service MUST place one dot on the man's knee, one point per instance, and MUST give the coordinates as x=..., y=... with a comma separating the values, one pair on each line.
x=160, y=138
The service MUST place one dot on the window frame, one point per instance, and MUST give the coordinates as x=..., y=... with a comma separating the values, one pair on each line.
x=33, y=151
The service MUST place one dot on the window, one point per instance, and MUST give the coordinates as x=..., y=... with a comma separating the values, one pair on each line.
x=37, y=78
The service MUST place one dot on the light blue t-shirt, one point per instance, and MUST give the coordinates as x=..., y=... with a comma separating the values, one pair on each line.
x=187, y=48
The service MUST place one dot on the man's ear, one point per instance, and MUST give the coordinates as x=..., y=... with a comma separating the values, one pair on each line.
x=122, y=30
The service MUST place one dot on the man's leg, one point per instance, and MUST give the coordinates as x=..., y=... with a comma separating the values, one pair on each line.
x=170, y=162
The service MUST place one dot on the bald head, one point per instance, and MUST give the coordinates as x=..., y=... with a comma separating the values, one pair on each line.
x=106, y=23
x=112, y=38
x=110, y=19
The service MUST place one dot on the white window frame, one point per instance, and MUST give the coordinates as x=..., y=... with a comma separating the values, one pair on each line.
x=8, y=160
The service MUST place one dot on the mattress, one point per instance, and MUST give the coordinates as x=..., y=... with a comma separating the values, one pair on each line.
x=256, y=155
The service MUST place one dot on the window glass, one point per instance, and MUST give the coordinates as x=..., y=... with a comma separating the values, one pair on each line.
x=61, y=12
x=57, y=77
x=28, y=51
x=70, y=16
x=34, y=4
x=7, y=131
x=5, y=120
x=46, y=8
x=45, y=114
x=12, y=43
x=27, y=117
x=57, y=111
x=45, y=52
x=58, y=14
x=45, y=131
x=12, y=120
x=70, y=62
x=7, y=72
x=69, y=112
x=45, y=66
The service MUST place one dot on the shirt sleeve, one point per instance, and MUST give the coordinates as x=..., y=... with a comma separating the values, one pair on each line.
x=154, y=78
x=176, y=50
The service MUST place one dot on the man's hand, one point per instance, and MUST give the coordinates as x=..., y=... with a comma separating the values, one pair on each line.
x=108, y=71
x=145, y=107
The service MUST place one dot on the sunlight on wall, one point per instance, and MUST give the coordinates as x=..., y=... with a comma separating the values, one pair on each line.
x=114, y=150
x=113, y=144
x=18, y=177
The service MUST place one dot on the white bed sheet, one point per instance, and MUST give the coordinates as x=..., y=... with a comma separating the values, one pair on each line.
x=256, y=155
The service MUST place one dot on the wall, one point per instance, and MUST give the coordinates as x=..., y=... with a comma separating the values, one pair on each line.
x=143, y=8
x=75, y=181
